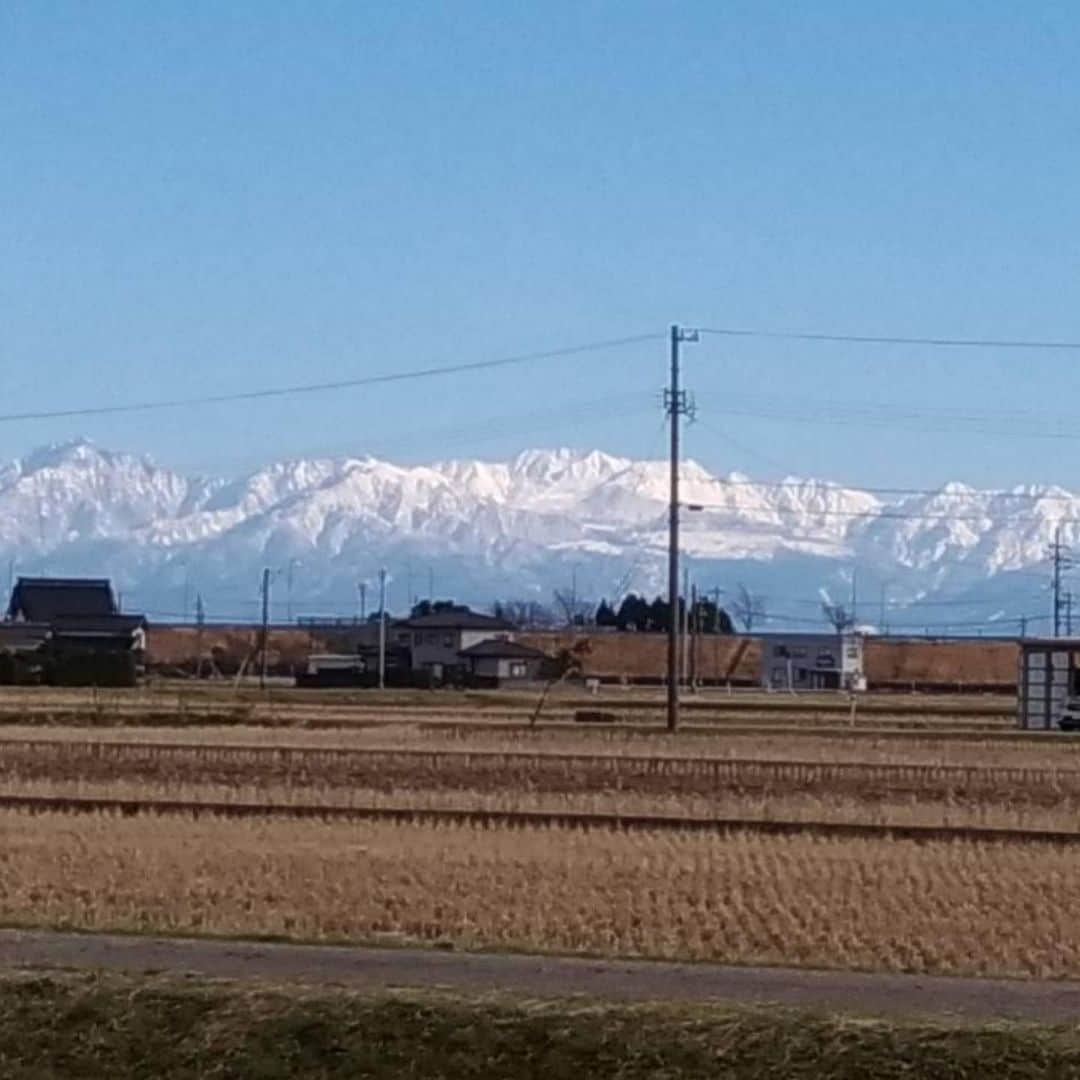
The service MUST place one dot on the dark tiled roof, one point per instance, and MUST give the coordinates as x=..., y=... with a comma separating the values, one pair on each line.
x=23, y=635
x=510, y=650
x=95, y=626
x=456, y=620
x=49, y=599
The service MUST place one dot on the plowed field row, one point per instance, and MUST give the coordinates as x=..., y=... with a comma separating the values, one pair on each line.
x=482, y=770
x=531, y=819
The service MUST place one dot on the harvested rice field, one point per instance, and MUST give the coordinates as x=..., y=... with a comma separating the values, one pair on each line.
x=954, y=904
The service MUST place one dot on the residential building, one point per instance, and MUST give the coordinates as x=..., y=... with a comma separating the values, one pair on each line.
x=797, y=661
x=497, y=661
x=437, y=640
x=88, y=640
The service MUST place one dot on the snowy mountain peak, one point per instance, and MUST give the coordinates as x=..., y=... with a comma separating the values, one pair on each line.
x=511, y=529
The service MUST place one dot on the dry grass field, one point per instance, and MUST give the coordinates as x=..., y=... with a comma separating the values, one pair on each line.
x=974, y=907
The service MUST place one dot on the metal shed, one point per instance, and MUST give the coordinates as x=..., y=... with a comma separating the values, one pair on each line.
x=1048, y=683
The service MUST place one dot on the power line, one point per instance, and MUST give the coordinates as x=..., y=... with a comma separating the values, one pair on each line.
x=322, y=387
x=830, y=487
x=882, y=339
x=825, y=414
x=871, y=515
x=489, y=429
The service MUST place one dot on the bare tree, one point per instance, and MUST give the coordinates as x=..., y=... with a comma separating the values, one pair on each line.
x=748, y=608
x=839, y=617
x=525, y=613
x=574, y=610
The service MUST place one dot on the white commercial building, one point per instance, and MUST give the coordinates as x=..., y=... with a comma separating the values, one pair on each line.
x=797, y=661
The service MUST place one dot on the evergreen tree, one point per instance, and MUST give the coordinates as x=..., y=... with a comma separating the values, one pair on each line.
x=605, y=615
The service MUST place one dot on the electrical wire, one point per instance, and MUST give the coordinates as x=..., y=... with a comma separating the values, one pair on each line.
x=322, y=387
x=883, y=339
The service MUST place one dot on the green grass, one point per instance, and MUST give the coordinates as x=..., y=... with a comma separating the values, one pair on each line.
x=61, y=1025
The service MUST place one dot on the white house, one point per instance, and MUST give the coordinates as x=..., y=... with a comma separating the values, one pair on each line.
x=795, y=661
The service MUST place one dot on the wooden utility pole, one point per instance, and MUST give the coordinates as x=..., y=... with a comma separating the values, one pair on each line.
x=264, y=634
x=678, y=405
x=200, y=623
x=1062, y=560
x=687, y=640
x=382, y=629
x=289, y=581
x=695, y=637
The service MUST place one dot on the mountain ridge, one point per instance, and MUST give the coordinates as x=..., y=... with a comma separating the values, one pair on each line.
x=515, y=529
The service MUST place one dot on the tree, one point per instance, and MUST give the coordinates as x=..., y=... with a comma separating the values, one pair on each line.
x=524, y=613
x=838, y=616
x=708, y=618
x=748, y=607
x=575, y=612
x=633, y=613
x=605, y=615
x=429, y=607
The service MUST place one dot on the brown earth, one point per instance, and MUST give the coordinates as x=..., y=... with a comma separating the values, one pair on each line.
x=890, y=664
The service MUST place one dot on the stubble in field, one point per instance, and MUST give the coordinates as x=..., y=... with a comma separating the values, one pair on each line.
x=952, y=908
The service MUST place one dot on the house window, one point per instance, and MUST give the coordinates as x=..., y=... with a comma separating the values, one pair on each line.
x=517, y=669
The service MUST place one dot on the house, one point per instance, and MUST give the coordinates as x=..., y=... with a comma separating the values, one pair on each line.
x=799, y=661
x=88, y=640
x=498, y=661
x=438, y=639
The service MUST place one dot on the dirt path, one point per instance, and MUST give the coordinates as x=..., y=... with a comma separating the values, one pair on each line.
x=378, y=969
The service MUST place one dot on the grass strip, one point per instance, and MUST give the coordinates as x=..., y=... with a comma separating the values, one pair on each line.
x=59, y=1025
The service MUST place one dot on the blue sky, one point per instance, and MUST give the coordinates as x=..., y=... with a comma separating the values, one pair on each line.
x=207, y=198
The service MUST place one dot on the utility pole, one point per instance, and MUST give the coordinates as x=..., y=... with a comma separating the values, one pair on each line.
x=265, y=633
x=688, y=641
x=716, y=609
x=695, y=636
x=1059, y=553
x=1068, y=612
x=884, y=620
x=187, y=586
x=1023, y=626
x=678, y=404
x=200, y=622
x=362, y=586
x=290, y=574
x=382, y=629
x=431, y=584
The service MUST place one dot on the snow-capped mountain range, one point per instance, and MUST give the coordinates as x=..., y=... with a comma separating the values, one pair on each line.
x=484, y=531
